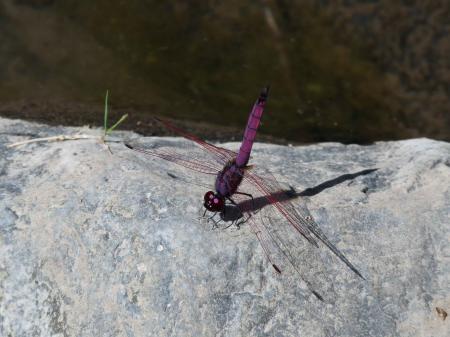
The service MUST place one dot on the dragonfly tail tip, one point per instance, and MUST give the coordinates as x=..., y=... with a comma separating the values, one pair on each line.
x=264, y=94
x=128, y=146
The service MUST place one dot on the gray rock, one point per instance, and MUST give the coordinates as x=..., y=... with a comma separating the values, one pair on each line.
x=101, y=244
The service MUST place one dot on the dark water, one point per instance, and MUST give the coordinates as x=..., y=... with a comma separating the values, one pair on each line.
x=349, y=71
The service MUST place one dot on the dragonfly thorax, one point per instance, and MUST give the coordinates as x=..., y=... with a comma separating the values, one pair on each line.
x=214, y=202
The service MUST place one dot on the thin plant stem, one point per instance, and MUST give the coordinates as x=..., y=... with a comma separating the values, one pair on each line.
x=53, y=139
x=105, y=126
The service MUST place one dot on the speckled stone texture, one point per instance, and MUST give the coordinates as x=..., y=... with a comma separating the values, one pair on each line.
x=101, y=244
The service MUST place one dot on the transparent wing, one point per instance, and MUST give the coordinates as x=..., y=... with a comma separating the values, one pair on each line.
x=222, y=155
x=296, y=257
x=288, y=254
x=297, y=217
x=191, y=159
x=212, y=163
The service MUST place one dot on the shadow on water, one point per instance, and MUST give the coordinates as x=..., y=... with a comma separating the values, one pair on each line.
x=235, y=212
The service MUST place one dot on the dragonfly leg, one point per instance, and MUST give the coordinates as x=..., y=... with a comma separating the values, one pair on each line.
x=240, y=222
x=243, y=221
x=231, y=224
x=216, y=222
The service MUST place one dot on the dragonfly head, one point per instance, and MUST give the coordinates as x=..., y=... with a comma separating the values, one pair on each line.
x=214, y=202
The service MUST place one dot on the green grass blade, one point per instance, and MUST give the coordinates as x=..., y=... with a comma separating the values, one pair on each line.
x=117, y=123
x=105, y=126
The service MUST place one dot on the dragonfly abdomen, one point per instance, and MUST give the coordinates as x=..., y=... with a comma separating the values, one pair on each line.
x=251, y=129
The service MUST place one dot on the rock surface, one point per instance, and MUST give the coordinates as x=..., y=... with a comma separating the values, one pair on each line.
x=101, y=244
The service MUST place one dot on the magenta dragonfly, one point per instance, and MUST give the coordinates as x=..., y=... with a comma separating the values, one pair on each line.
x=247, y=188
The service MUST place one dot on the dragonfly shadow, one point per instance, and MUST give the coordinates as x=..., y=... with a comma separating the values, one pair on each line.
x=235, y=212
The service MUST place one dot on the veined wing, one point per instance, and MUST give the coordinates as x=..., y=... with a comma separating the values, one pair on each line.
x=221, y=154
x=288, y=254
x=202, y=165
x=303, y=223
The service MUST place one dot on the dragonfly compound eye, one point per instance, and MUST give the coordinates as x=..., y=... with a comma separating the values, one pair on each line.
x=208, y=196
x=213, y=202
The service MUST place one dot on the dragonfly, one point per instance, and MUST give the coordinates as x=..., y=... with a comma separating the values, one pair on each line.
x=244, y=189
